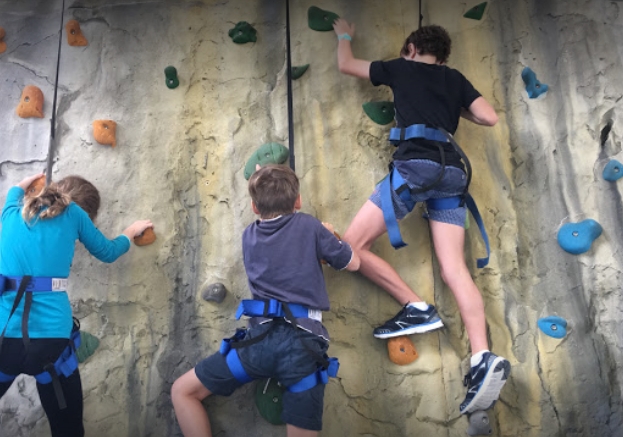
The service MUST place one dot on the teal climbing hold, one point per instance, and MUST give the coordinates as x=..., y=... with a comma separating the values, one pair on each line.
x=380, y=112
x=577, y=238
x=553, y=326
x=171, y=79
x=476, y=12
x=613, y=171
x=269, y=153
x=320, y=20
x=88, y=344
x=243, y=33
x=298, y=71
x=269, y=400
x=533, y=86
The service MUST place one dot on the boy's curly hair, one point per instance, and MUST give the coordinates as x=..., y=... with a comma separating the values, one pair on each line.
x=429, y=40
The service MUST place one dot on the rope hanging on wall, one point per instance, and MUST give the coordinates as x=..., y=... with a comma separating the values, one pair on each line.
x=289, y=72
x=421, y=16
x=51, y=146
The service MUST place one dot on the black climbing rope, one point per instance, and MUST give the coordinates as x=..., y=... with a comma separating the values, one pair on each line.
x=289, y=68
x=53, y=119
x=421, y=16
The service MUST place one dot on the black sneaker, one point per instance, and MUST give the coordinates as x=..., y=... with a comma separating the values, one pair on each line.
x=484, y=382
x=409, y=320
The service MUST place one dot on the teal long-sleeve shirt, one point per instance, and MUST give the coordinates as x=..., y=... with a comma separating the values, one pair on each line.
x=46, y=248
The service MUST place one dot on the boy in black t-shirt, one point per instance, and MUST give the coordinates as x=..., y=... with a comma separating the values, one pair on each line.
x=429, y=94
x=282, y=257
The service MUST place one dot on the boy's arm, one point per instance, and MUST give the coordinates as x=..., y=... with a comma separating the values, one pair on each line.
x=480, y=112
x=355, y=262
x=346, y=62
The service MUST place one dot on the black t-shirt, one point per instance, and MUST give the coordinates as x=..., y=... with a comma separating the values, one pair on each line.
x=429, y=94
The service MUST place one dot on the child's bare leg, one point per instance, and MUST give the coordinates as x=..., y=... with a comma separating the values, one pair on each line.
x=449, y=243
x=293, y=431
x=365, y=228
x=187, y=393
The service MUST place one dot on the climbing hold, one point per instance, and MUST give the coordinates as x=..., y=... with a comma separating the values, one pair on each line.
x=320, y=20
x=147, y=237
x=577, y=238
x=533, y=86
x=401, y=350
x=104, y=132
x=269, y=400
x=88, y=345
x=242, y=33
x=553, y=326
x=35, y=187
x=479, y=423
x=476, y=12
x=380, y=112
x=298, y=71
x=214, y=292
x=269, y=153
x=170, y=74
x=613, y=171
x=74, y=34
x=2, y=43
x=31, y=103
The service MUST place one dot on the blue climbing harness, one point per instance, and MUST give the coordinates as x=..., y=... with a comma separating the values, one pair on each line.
x=327, y=366
x=396, y=183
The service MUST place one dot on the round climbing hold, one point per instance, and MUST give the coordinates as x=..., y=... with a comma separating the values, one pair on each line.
x=170, y=77
x=35, y=188
x=105, y=132
x=147, y=237
x=2, y=43
x=534, y=88
x=479, y=424
x=320, y=20
x=553, y=326
x=577, y=238
x=380, y=112
x=269, y=153
x=214, y=292
x=243, y=33
x=613, y=171
x=269, y=400
x=401, y=350
x=31, y=103
x=298, y=71
x=75, y=37
x=88, y=345
x=476, y=12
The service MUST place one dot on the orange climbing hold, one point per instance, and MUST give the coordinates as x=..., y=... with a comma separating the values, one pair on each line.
x=35, y=188
x=104, y=132
x=2, y=43
x=31, y=103
x=75, y=37
x=401, y=350
x=147, y=237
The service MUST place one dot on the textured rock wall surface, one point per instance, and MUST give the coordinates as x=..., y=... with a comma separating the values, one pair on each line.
x=179, y=161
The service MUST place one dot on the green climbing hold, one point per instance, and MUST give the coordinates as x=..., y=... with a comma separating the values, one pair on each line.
x=298, y=71
x=170, y=73
x=321, y=20
x=88, y=344
x=269, y=153
x=269, y=400
x=380, y=112
x=242, y=33
x=476, y=12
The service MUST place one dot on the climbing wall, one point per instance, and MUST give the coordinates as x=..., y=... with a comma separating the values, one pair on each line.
x=179, y=160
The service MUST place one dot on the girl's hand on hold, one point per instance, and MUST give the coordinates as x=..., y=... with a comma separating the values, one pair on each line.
x=29, y=180
x=341, y=27
x=137, y=228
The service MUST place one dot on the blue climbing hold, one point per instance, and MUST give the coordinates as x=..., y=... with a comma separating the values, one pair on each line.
x=613, y=171
x=577, y=238
x=533, y=86
x=553, y=326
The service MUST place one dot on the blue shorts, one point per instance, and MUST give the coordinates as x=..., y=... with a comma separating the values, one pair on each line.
x=280, y=355
x=422, y=172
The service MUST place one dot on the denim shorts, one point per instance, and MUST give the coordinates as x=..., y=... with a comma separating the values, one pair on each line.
x=280, y=355
x=422, y=172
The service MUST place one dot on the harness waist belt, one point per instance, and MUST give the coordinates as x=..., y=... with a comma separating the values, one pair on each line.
x=274, y=308
x=37, y=283
x=398, y=134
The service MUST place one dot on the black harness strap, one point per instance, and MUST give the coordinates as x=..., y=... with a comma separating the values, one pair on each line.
x=318, y=358
x=18, y=297
x=56, y=384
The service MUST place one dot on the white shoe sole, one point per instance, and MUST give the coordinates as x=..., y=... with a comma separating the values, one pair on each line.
x=491, y=386
x=418, y=329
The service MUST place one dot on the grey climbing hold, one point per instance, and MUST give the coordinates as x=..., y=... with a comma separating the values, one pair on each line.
x=214, y=292
x=243, y=33
x=298, y=71
x=479, y=424
x=613, y=171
